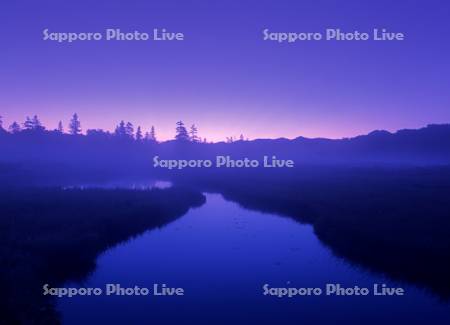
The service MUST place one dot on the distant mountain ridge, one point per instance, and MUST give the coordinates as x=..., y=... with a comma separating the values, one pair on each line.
x=426, y=146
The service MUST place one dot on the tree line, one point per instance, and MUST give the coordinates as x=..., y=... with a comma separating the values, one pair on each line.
x=124, y=130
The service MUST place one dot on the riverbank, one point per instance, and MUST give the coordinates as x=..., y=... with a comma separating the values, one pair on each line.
x=51, y=235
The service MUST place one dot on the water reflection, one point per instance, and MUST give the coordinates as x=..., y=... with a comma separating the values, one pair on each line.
x=124, y=184
x=222, y=254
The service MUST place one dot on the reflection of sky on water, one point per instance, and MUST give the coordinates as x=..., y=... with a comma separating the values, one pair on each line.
x=124, y=184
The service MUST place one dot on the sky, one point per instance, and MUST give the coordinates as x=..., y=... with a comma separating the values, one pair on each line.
x=223, y=76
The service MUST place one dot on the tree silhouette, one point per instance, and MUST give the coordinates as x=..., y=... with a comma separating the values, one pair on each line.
x=28, y=124
x=37, y=125
x=241, y=137
x=152, y=134
x=139, y=134
x=60, y=128
x=193, y=134
x=14, y=128
x=2, y=130
x=181, y=132
x=126, y=130
x=75, y=125
x=33, y=124
x=120, y=130
x=129, y=130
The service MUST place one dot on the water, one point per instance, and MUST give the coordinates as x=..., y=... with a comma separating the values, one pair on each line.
x=146, y=184
x=222, y=255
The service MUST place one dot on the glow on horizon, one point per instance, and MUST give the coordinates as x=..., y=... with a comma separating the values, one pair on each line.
x=166, y=131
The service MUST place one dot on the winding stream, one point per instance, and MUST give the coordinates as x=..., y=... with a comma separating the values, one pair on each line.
x=222, y=255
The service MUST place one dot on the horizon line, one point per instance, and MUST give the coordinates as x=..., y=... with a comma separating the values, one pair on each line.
x=233, y=138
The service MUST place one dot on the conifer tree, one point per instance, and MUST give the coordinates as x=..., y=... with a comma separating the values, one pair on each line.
x=28, y=124
x=181, y=132
x=194, y=134
x=139, y=134
x=14, y=128
x=129, y=130
x=120, y=130
x=152, y=134
x=75, y=125
x=60, y=128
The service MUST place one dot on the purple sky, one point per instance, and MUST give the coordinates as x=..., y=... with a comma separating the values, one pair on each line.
x=224, y=77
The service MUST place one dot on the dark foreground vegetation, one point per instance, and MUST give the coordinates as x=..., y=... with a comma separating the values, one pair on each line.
x=390, y=220
x=53, y=235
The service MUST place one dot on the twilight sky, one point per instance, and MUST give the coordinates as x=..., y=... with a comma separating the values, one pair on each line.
x=223, y=77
